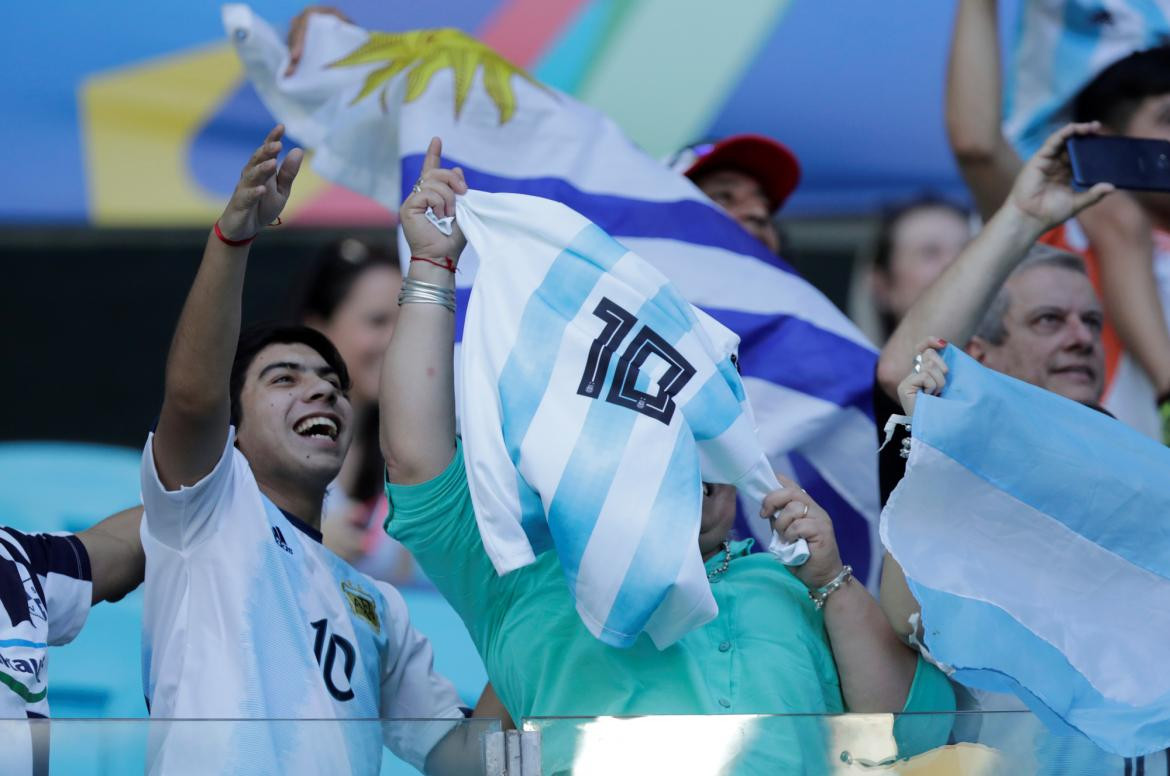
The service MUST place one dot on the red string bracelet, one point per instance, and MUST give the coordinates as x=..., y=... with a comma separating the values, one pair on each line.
x=233, y=243
x=446, y=262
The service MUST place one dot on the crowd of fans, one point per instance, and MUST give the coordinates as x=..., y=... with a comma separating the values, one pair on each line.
x=273, y=439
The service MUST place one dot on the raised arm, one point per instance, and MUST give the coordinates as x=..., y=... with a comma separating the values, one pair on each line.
x=897, y=602
x=876, y=669
x=116, y=561
x=1041, y=197
x=417, y=395
x=193, y=424
x=974, y=118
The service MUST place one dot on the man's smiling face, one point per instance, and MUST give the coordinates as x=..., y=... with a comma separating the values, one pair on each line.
x=294, y=416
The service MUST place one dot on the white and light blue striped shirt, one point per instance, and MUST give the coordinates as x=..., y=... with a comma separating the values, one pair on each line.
x=592, y=396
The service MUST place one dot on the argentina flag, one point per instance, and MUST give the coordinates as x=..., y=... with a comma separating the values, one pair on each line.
x=368, y=103
x=593, y=394
x=1035, y=533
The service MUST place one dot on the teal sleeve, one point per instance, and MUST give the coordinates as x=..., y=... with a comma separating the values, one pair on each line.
x=435, y=520
x=930, y=691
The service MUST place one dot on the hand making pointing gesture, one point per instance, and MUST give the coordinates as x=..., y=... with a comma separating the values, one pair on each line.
x=436, y=189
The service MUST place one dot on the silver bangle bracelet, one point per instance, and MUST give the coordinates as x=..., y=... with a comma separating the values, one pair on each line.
x=409, y=289
x=421, y=297
x=417, y=292
x=409, y=282
x=821, y=594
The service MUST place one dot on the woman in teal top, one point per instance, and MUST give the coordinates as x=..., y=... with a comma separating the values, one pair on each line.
x=770, y=650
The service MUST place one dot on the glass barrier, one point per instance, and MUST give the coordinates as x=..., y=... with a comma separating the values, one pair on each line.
x=967, y=743
x=116, y=747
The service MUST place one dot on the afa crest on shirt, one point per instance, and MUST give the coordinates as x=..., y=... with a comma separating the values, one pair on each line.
x=361, y=604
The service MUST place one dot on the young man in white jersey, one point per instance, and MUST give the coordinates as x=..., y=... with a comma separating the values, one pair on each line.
x=247, y=616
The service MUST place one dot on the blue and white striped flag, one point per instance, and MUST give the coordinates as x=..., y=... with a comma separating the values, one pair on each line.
x=1035, y=533
x=1060, y=46
x=591, y=393
x=367, y=104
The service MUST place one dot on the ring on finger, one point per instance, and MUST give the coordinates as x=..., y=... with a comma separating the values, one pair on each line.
x=417, y=186
x=805, y=512
x=918, y=363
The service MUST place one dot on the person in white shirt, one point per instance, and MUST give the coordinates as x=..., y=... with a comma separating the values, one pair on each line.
x=47, y=584
x=247, y=616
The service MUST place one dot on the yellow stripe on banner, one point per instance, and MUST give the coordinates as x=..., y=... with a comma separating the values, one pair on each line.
x=669, y=69
x=138, y=124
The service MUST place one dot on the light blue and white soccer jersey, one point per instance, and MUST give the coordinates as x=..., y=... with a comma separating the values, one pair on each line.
x=248, y=616
x=595, y=399
x=45, y=595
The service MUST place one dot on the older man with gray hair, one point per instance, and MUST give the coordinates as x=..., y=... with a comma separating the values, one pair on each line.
x=1044, y=326
x=1026, y=310
x=1023, y=309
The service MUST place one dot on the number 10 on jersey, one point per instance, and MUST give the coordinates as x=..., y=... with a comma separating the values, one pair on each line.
x=327, y=657
x=623, y=390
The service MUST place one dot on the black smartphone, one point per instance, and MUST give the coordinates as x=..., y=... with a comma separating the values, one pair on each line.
x=1126, y=162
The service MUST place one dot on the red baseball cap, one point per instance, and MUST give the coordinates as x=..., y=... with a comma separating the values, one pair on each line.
x=772, y=164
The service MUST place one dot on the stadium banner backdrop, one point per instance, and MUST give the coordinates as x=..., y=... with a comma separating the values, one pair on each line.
x=140, y=114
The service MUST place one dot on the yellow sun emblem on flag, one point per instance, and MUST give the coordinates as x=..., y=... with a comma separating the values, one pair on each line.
x=424, y=53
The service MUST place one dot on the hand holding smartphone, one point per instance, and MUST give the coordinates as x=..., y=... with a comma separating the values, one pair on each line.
x=1126, y=162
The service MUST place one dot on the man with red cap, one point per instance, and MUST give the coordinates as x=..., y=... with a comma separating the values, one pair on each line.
x=749, y=176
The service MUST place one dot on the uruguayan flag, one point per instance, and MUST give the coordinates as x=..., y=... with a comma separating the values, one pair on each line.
x=1034, y=532
x=1061, y=45
x=591, y=391
x=367, y=104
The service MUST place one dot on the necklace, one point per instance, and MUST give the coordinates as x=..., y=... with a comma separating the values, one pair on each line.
x=726, y=561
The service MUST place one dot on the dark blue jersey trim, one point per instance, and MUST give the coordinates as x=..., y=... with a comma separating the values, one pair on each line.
x=82, y=554
x=49, y=554
x=302, y=526
x=13, y=598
